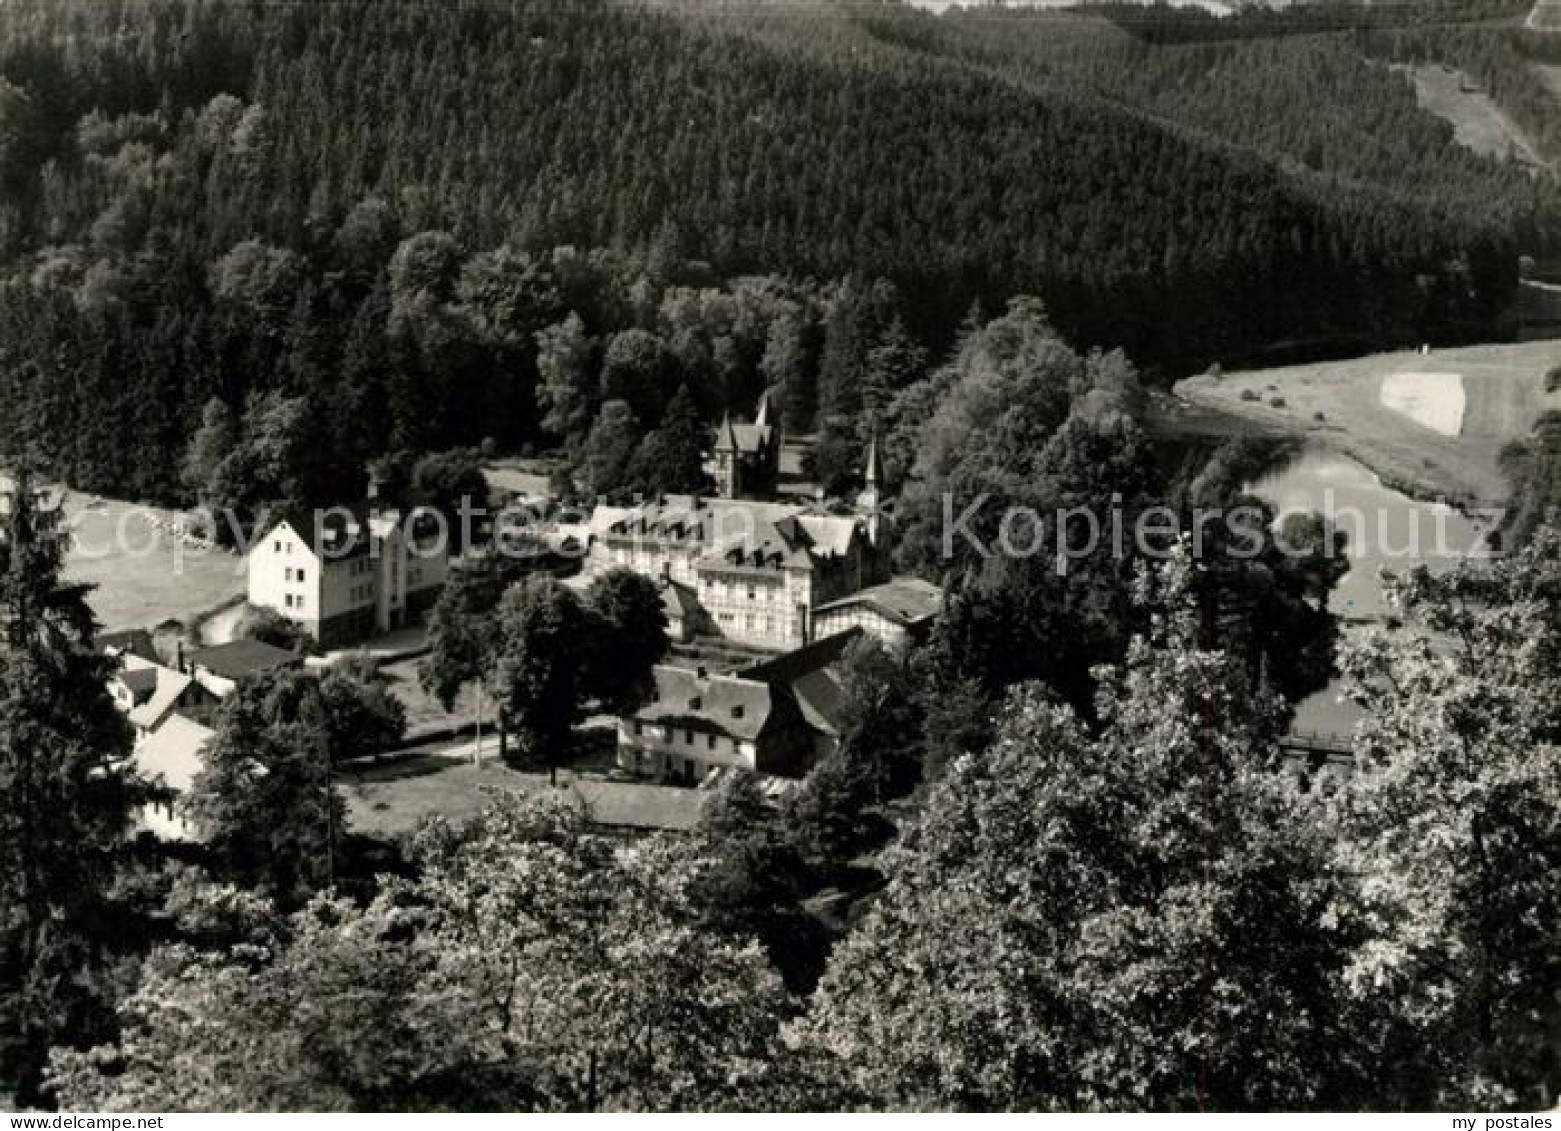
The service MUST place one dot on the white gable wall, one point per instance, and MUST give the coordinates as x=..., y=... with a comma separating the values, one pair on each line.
x=276, y=564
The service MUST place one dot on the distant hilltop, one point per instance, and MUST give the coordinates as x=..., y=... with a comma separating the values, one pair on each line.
x=1213, y=7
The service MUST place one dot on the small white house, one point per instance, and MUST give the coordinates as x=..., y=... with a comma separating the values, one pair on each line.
x=148, y=693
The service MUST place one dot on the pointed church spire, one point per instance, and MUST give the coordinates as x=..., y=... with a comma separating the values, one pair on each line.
x=726, y=435
x=728, y=460
x=762, y=416
x=870, y=503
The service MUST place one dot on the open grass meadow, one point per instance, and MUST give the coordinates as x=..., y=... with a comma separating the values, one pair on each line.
x=1342, y=404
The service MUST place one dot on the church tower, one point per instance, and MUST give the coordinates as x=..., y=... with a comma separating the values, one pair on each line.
x=871, y=501
x=728, y=461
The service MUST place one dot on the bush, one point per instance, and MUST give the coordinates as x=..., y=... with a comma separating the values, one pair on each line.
x=270, y=627
x=1249, y=394
x=1553, y=380
x=1276, y=402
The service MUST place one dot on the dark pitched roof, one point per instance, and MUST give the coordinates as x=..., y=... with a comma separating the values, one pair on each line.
x=812, y=678
x=726, y=704
x=906, y=601
x=135, y=641
x=240, y=658
x=809, y=658
x=154, y=689
x=340, y=532
x=140, y=682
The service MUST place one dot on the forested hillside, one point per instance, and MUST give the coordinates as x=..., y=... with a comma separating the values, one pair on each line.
x=360, y=207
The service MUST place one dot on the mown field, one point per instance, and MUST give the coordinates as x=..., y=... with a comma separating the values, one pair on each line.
x=143, y=575
x=1340, y=404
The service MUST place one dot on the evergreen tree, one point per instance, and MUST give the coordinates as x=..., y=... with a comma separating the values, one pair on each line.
x=66, y=797
x=670, y=459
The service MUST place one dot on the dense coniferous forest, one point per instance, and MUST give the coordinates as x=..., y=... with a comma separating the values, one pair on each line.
x=371, y=210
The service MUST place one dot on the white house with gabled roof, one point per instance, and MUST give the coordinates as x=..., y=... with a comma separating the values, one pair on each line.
x=344, y=574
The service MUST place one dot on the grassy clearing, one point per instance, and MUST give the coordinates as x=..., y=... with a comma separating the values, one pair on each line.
x=1339, y=403
x=1478, y=123
x=391, y=798
x=143, y=574
x=424, y=712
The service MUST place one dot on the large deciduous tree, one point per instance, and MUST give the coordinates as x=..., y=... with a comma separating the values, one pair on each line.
x=1134, y=919
x=532, y=965
x=1453, y=821
x=629, y=637
x=463, y=632
x=266, y=802
x=536, y=676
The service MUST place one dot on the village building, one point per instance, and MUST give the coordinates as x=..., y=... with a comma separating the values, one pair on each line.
x=898, y=612
x=222, y=667
x=345, y=574
x=753, y=572
x=148, y=693
x=170, y=758
x=745, y=458
x=777, y=717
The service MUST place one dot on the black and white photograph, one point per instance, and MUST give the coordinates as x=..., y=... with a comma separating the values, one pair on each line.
x=780, y=556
